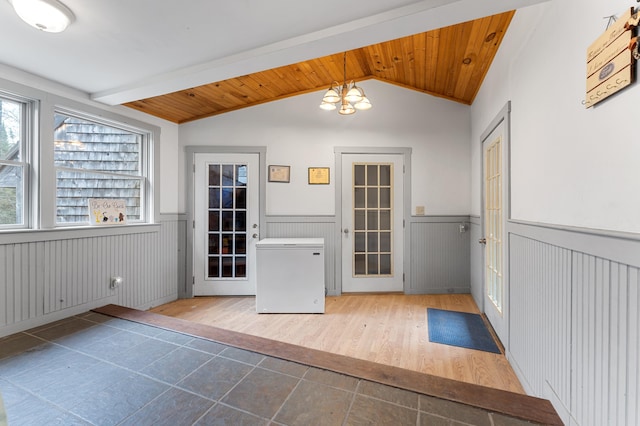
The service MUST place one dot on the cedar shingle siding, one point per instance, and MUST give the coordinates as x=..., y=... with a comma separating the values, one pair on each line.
x=95, y=148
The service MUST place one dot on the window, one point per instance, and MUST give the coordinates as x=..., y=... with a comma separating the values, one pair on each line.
x=97, y=160
x=13, y=162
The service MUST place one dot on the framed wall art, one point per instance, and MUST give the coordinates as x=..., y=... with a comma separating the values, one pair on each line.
x=279, y=174
x=318, y=175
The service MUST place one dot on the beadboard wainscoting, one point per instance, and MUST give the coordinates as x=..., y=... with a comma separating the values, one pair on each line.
x=574, y=326
x=439, y=256
x=50, y=275
x=437, y=252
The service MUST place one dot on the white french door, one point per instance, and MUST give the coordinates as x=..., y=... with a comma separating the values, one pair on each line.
x=226, y=205
x=493, y=214
x=372, y=222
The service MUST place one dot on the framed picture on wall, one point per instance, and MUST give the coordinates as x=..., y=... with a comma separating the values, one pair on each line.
x=279, y=173
x=318, y=175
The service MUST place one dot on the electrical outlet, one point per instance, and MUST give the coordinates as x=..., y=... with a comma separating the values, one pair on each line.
x=115, y=282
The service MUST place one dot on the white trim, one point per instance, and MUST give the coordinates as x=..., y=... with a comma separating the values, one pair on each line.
x=606, y=246
x=67, y=233
x=190, y=152
x=502, y=118
x=42, y=216
x=406, y=153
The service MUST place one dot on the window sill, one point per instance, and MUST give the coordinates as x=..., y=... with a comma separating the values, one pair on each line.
x=32, y=235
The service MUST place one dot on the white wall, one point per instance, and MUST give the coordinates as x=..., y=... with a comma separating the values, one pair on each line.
x=569, y=165
x=574, y=167
x=297, y=133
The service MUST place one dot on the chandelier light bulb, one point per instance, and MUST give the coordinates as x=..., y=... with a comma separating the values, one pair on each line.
x=354, y=94
x=363, y=105
x=347, y=109
x=331, y=96
x=327, y=106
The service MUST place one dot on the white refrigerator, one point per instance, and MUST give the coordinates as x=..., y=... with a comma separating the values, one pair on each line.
x=290, y=275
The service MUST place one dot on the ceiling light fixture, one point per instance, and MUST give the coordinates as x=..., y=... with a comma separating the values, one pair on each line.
x=349, y=96
x=46, y=15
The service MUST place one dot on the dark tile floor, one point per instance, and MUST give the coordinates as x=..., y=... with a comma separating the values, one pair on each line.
x=94, y=369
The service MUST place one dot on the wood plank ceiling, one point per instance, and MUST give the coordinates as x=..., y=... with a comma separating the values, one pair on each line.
x=450, y=62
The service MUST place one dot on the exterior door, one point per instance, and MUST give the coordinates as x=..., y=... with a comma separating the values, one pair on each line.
x=372, y=223
x=493, y=214
x=226, y=224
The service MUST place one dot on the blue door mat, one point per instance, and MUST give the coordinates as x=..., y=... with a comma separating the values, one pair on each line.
x=460, y=329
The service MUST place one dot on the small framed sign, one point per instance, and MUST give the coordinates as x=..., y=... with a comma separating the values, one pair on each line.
x=318, y=175
x=279, y=173
x=107, y=211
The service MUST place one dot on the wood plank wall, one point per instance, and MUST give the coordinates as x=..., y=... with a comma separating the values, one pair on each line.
x=575, y=325
x=52, y=278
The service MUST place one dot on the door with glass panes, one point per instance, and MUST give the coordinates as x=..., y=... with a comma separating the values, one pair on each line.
x=372, y=223
x=493, y=219
x=226, y=223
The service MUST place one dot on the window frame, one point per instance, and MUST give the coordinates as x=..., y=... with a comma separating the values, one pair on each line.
x=28, y=110
x=144, y=164
x=41, y=213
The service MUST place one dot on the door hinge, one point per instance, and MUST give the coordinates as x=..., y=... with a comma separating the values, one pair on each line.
x=403, y=277
x=194, y=224
x=194, y=168
x=193, y=280
x=403, y=225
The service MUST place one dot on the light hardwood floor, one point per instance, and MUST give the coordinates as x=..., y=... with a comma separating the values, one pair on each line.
x=388, y=328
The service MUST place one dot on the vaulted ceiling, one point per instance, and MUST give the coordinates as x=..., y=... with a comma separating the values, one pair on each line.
x=449, y=62
x=186, y=60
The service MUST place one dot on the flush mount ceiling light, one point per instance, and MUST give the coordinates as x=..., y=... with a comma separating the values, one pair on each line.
x=349, y=96
x=46, y=15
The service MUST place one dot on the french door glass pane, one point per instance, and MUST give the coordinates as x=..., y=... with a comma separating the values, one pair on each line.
x=359, y=196
x=372, y=219
x=359, y=222
x=214, y=175
x=358, y=175
x=493, y=223
x=360, y=266
x=385, y=264
x=227, y=251
x=385, y=175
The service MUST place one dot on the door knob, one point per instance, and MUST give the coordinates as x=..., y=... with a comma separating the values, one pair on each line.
x=346, y=231
x=254, y=236
x=482, y=241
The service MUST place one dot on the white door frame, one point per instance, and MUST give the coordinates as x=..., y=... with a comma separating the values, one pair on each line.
x=190, y=153
x=406, y=152
x=503, y=117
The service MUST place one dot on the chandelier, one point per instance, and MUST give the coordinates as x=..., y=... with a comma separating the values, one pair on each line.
x=349, y=96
